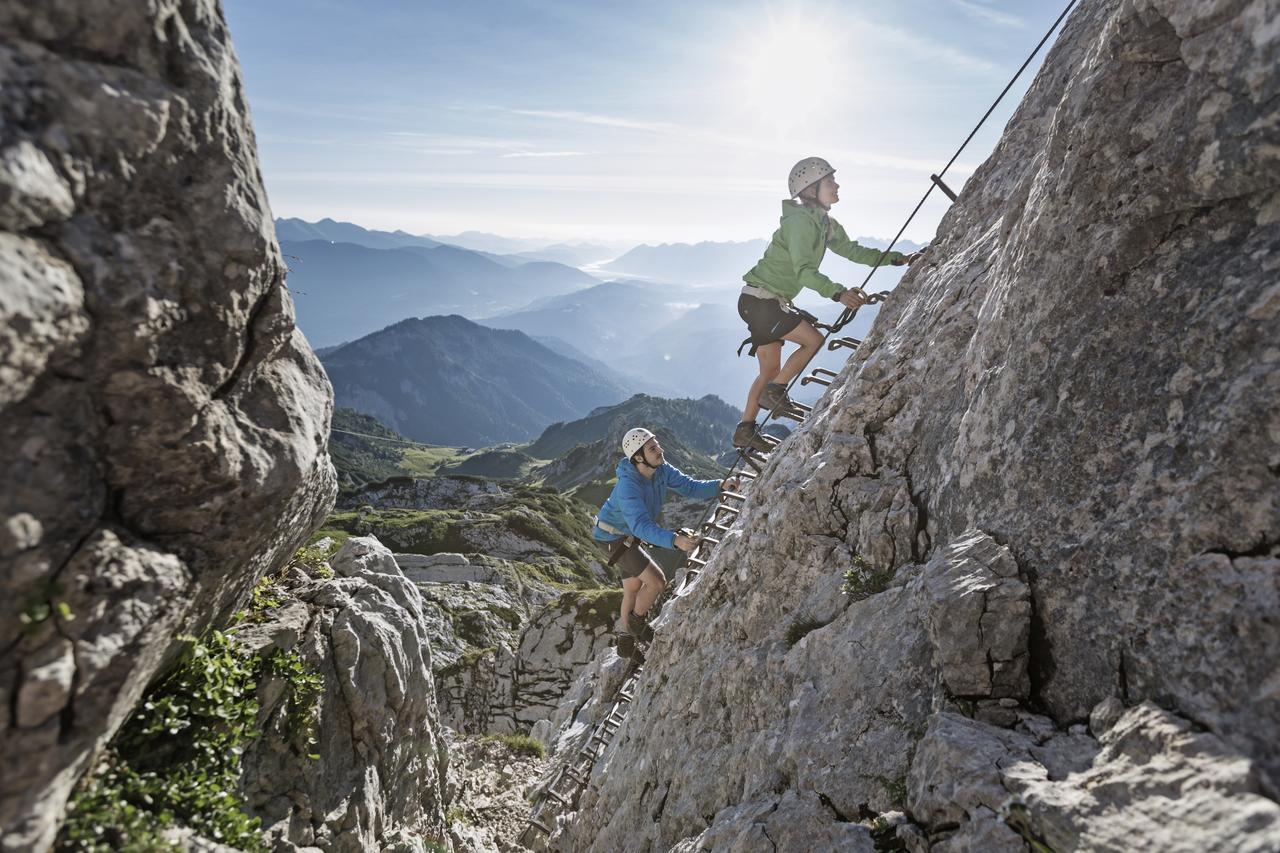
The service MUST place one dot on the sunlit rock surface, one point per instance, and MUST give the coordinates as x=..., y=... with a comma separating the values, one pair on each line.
x=162, y=423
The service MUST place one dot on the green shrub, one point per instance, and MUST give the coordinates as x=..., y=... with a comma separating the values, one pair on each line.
x=520, y=744
x=302, y=705
x=312, y=561
x=176, y=759
x=864, y=580
x=800, y=627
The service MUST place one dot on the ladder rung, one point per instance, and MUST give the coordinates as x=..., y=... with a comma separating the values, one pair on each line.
x=737, y=496
x=850, y=343
x=723, y=528
x=564, y=801
x=801, y=407
x=747, y=474
x=806, y=380
x=732, y=510
x=575, y=776
x=540, y=825
x=798, y=417
x=824, y=372
x=696, y=561
x=714, y=542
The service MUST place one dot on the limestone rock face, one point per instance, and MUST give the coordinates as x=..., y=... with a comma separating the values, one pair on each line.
x=1150, y=781
x=162, y=423
x=381, y=765
x=510, y=689
x=1084, y=370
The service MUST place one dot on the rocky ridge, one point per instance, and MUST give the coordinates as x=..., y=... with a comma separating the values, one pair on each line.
x=375, y=776
x=1014, y=583
x=164, y=424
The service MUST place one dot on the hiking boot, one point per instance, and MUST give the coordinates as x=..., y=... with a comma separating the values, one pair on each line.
x=626, y=645
x=641, y=628
x=774, y=397
x=748, y=435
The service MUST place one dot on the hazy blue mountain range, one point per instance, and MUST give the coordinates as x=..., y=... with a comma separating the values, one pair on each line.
x=681, y=339
x=447, y=380
x=639, y=383
x=484, y=242
x=344, y=290
x=723, y=264
x=602, y=321
x=300, y=231
x=698, y=263
x=575, y=255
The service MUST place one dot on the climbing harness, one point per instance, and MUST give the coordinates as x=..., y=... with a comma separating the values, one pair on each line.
x=568, y=783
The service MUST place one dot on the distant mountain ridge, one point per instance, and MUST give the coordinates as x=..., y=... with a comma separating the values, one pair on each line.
x=447, y=380
x=705, y=424
x=299, y=231
x=345, y=290
x=711, y=264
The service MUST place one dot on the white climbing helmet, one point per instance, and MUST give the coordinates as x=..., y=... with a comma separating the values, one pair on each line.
x=806, y=172
x=634, y=440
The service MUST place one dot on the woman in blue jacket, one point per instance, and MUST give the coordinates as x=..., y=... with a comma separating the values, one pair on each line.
x=628, y=519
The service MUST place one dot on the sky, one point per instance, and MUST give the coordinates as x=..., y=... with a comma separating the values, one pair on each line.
x=605, y=120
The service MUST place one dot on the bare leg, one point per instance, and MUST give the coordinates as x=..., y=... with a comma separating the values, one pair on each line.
x=770, y=357
x=653, y=582
x=810, y=341
x=630, y=586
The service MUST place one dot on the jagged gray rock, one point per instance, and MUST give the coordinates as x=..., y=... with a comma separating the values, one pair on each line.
x=979, y=618
x=1150, y=781
x=164, y=424
x=382, y=759
x=1085, y=368
x=512, y=689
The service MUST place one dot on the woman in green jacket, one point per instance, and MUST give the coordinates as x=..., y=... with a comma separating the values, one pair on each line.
x=790, y=263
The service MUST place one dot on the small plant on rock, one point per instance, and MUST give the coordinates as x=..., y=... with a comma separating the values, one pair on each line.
x=520, y=744
x=864, y=580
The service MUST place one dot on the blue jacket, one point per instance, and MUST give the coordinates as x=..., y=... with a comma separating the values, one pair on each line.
x=636, y=501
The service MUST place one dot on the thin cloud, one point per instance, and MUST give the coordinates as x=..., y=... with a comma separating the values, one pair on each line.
x=989, y=15
x=545, y=154
x=643, y=184
x=597, y=119
x=450, y=140
x=926, y=48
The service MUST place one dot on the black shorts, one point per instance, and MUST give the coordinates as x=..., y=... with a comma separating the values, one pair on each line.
x=633, y=561
x=767, y=320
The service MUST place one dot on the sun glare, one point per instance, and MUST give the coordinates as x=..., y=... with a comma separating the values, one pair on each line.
x=789, y=68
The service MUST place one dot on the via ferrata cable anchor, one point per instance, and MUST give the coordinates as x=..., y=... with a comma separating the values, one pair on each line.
x=942, y=186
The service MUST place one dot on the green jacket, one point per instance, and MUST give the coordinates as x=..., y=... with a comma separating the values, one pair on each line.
x=792, y=257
